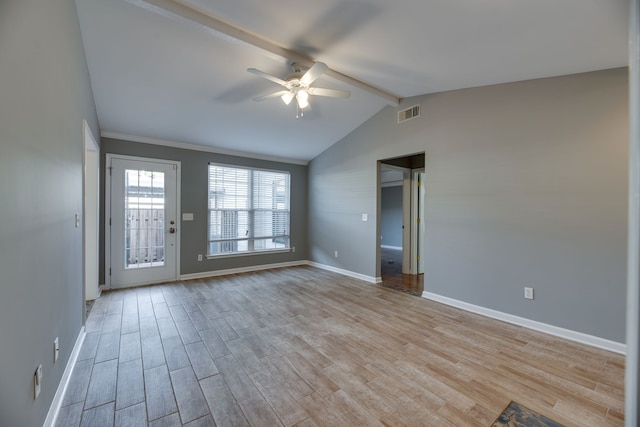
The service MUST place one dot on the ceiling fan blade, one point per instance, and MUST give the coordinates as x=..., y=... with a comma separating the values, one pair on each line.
x=334, y=93
x=267, y=76
x=270, y=95
x=314, y=72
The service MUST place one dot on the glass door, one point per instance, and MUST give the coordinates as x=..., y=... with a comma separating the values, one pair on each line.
x=143, y=218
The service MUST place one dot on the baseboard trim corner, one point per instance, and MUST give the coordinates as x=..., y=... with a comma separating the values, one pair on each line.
x=344, y=272
x=56, y=404
x=250, y=269
x=568, y=334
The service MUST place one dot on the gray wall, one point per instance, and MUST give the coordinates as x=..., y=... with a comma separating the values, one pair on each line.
x=193, y=237
x=391, y=216
x=527, y=186
x=44, y=95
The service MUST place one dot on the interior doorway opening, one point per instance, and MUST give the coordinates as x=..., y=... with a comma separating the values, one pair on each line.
x=401, y=226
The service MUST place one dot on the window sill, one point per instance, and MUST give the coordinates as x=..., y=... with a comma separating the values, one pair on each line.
x=241, y=254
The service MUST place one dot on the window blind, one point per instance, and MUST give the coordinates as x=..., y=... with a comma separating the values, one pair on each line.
x=248, y=209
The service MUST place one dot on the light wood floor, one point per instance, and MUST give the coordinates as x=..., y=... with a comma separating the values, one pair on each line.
x=392, y=277
x=305, y=347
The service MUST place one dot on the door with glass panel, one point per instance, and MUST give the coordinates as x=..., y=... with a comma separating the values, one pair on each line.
x=143, y=221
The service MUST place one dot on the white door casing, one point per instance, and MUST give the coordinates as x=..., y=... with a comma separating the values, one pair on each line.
x=417, y=221
x=407, y=246
x=90, y=213
x=142, y=221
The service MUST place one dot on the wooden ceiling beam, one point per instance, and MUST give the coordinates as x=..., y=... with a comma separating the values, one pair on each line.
x=176, y=9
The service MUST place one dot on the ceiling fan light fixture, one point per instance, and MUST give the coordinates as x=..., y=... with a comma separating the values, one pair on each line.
x=287, y=97
x=298, y=85
x=303, y=99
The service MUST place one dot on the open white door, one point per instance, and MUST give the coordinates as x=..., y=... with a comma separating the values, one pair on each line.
x=143, y=213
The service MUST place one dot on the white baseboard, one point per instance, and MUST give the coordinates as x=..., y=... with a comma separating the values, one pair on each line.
x=54, y=409
x=568, y=334
x=250, y=269
x=349, y=273
x=397, y=248
x=228, y=271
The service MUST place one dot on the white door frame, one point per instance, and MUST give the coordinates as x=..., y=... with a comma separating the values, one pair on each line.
x=632, y=386
x=417, y=221
x=107, y=193
x=407, y=224
x=90, y=214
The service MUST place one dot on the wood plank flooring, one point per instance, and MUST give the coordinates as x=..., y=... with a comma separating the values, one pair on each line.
x=305, y=347
x=392, y=277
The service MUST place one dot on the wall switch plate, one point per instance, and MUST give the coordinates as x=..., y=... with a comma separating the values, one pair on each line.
x=335, y=254
x=199, y=257
x=293, y=249
x=187, y=217
x=56, y=349
x=528, y=293
x=77, y=220
x=37, y=382
x=365, y=217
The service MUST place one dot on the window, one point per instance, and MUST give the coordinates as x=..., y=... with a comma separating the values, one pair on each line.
x=248, y=210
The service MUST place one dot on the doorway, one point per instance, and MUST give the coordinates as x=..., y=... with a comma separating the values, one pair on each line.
x=401, y=226
x=142, y=209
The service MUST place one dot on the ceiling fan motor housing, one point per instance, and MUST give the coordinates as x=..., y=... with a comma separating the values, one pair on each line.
x=293, y=79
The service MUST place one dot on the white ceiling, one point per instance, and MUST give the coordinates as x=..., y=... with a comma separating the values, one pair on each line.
x=158, y=77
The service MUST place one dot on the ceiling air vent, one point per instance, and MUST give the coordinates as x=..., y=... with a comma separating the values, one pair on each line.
x=409, y=113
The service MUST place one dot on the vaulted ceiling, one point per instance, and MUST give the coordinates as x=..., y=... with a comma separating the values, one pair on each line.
x=160, y=70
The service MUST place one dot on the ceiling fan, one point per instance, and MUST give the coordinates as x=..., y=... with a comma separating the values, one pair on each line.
x=298, y=85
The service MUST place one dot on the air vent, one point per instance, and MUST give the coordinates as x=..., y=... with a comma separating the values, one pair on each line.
x=409, y=113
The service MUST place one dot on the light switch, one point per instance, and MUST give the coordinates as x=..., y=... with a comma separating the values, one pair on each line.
x=187, y=217
x=365, y=217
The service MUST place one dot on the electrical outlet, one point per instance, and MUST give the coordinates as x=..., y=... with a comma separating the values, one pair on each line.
x=335, y=254
x=365, y=217
x=293, y=249
x=37, y=382
x=528, y=293
x=199, y=257
x=56, y=349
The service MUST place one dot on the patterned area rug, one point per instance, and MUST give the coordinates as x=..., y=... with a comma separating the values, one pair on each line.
x=517, y=415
